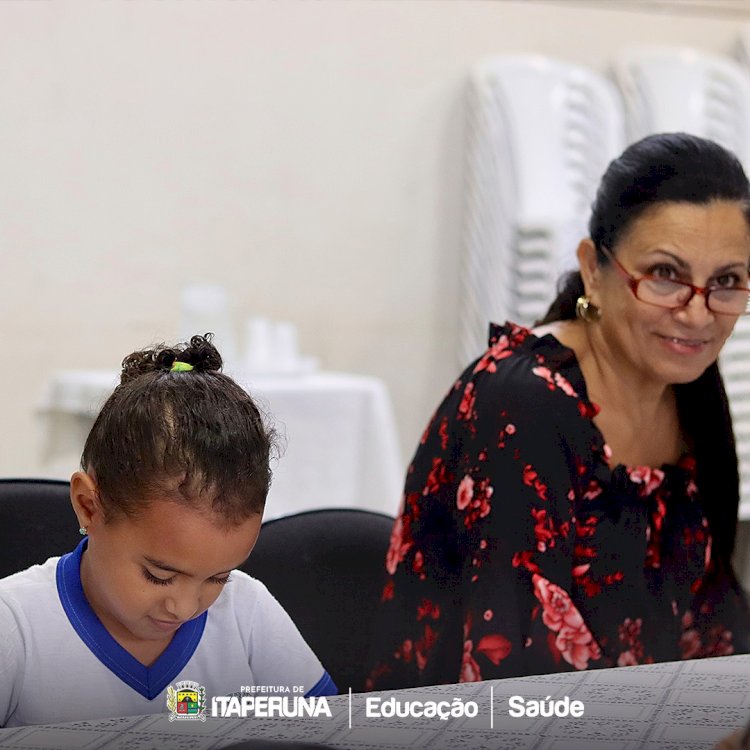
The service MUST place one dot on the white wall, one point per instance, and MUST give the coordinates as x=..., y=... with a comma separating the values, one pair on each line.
x=307, y=155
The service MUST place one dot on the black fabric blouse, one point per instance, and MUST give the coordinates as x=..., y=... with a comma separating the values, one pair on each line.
x=519, y=550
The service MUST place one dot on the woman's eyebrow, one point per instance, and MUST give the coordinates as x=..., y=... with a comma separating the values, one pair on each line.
x=686, y=266
x=676, y=258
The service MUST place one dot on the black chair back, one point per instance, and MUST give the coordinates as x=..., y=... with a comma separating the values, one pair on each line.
x=327, y=569
x=36, y=522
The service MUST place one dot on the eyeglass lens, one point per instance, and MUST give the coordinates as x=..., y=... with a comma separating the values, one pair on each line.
x=665, y=293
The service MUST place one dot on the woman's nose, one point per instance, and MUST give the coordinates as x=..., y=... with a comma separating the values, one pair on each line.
x=696, y=312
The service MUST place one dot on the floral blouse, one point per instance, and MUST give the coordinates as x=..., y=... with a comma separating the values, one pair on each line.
x=518, y=550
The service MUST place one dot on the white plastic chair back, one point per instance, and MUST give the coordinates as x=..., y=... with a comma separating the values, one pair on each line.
x=677, y=89
x=540, y=134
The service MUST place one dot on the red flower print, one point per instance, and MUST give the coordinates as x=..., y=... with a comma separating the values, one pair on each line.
x=487, y=615
x=690, y=644
x=465, y=493
x=428, y=609
x=565, y=386
x=719, y=642
x=443, y=432
x=558, y=609
x=627, y=659
x=437, y=477
x=379, y=671
x=529, y=475
x=653, y=534
x=574, y=640
x=469, y=668
x=388, y=592
x=531, y=479
x=495, y=647
x=593, y=490
x=405, y=651
x=648, y=478
x=423, y=647
x=474, y=498
x=510, y=429
x=497, y=351
x=555, y=381
x=524, y=560
x=543, y=530
x=398, y=547
x=466, y=407
x=577, y=646
x=418, y=565
x=588, y=411
x=586, y=553
x=546, y=374
x=590, y=587
x=615, y=577
x=690, y=640
x=629, y=634
x=483, y=505
x=587, y=528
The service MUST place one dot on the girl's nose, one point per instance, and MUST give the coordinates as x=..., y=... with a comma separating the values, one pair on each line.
x=183, y=607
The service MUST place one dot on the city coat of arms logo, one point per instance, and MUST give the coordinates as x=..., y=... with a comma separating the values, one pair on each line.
x=186, y=700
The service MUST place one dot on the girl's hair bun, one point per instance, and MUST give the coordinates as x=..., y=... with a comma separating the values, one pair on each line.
x=199, y=352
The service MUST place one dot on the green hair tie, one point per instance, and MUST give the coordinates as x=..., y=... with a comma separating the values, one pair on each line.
x=181, y=367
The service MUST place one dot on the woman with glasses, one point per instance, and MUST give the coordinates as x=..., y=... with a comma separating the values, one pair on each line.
x=573, y=502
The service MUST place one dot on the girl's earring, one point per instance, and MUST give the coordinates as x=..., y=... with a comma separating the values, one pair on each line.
x=82, y=531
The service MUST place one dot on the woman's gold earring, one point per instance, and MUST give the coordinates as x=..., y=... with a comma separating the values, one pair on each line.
x=586, y=310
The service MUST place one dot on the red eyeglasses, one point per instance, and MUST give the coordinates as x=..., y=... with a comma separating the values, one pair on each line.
x=672, y=294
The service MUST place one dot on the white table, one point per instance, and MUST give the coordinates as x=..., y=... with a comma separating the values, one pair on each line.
x=671, y=706
x=339, y=441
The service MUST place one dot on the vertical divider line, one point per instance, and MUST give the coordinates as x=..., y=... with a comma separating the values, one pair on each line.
x=492, y=707
x=350, y=708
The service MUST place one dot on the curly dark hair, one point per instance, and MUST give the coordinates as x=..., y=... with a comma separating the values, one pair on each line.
x=190, y=436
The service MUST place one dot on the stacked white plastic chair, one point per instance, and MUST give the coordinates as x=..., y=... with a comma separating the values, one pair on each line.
x=540, y=134
x=669, y=89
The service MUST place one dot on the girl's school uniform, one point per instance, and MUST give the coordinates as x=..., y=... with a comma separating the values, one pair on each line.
x=58, y=663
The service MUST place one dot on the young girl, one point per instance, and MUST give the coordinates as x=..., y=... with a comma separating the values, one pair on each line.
x=175, y=474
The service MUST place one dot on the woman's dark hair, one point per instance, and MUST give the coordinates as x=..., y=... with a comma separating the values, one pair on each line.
x=191, y=435
x=675, y=168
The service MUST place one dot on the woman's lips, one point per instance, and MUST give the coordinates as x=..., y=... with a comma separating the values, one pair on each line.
x=684, y=345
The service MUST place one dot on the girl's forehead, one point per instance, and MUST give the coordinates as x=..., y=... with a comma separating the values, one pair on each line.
x=171, y=532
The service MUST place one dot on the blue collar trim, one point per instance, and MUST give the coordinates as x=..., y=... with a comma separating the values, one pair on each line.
x=324, y=686
x=148, y=681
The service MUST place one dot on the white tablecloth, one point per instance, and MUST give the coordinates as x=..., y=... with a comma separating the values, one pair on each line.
x=338, y=435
